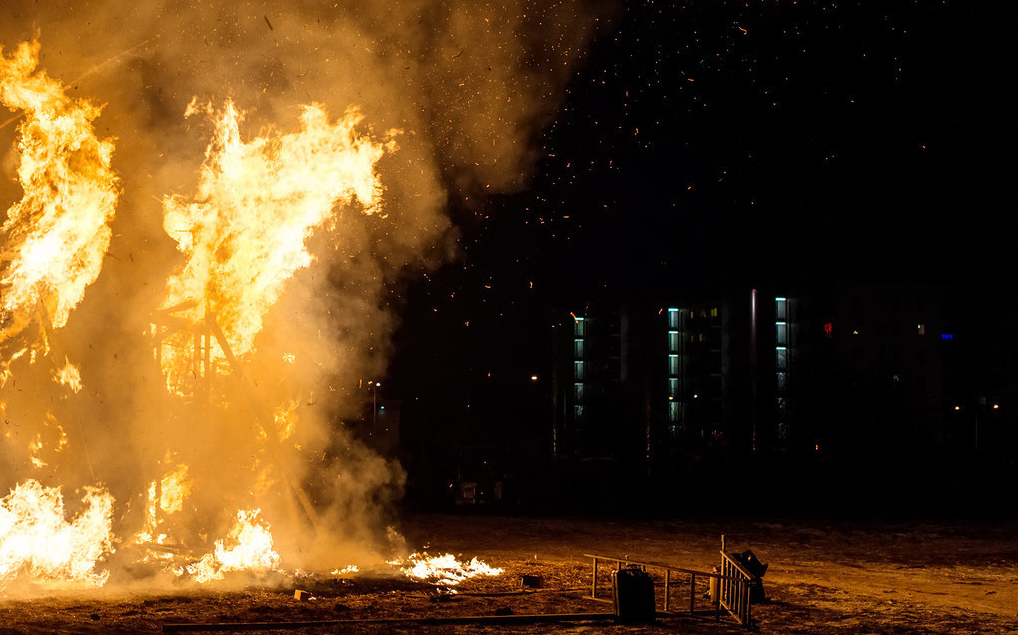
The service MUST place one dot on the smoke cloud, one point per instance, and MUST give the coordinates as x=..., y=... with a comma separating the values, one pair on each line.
x=463, y=89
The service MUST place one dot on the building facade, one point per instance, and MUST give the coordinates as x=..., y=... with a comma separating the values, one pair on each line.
x=831, y=371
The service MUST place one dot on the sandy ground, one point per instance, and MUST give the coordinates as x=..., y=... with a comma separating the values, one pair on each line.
x=824, y=578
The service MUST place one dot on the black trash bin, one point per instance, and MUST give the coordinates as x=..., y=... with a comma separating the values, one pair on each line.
x=751, y=563
x=634, y=596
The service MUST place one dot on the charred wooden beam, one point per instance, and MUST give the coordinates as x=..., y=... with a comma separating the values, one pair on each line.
x=264, y=418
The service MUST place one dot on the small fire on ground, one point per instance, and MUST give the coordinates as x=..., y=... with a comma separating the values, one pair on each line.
x=443, y=570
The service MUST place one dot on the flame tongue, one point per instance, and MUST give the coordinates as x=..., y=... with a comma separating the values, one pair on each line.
x=57, y=235
x=444, y=569
x=250, y=549
x=38, y=543
x=256, y=204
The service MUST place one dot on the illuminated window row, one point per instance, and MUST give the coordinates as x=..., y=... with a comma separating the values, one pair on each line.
x=674, y=339
x=579, y=366
x=781, y=344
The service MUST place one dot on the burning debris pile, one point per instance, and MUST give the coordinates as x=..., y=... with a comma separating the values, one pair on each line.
x=175, y=368
x=444, y=570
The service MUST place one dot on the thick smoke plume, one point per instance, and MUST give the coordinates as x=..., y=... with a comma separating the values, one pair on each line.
x=463, y=89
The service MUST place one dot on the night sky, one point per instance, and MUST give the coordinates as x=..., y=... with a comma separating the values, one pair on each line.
x=716, y=144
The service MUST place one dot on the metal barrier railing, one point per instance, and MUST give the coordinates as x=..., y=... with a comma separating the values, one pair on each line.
x=735, y=584
x=732, y=582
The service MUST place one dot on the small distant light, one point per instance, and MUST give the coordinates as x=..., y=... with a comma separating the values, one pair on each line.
x=996, y=406
x=695, y=396
x=855, y=332
x=957, y=407
x=381, y=407
x=378, y=383
x=946, y=336
x=533, y=378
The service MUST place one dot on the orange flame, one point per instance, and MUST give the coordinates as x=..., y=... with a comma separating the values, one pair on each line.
x=55, y=237
x=244, y=231
x=444, y=569
x=37, y=543
x=250, y=549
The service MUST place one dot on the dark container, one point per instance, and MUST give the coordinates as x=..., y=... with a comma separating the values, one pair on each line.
x=634, y=596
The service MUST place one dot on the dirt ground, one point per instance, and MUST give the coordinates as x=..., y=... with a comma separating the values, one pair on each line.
x=824, y=578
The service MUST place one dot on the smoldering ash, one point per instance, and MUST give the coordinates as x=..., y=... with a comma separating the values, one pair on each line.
x=206, y=213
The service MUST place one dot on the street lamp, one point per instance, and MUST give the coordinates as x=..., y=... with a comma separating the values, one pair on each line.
x=374, y=405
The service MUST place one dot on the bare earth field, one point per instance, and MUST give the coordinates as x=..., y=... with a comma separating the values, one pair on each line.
x=824, y=578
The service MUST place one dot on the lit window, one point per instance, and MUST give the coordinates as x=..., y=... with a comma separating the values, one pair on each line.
x=714, y=312
x=578, y=370
x=673, y=387
x=781, y=333
x=673, y=365
x=782, y=357
x=579, y=327
x=673, y=318
x=673, y=341
x=577, y=348
x=828, y=329
x=673, y=411
x=921, y=328
x=781, y=308
x=578, y=391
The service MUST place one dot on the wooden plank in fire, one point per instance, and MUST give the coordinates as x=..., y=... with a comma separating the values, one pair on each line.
x=183, y=306
x=265, y=420
x=171, y=321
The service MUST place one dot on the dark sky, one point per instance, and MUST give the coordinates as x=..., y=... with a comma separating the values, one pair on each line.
x=708, y=143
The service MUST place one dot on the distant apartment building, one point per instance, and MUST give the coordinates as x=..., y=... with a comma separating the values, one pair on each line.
x=836, y=371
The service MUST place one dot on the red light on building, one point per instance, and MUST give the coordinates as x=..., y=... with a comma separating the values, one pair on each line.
x=828, y=329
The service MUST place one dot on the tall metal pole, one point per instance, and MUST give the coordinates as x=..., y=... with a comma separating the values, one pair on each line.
x=752, y=367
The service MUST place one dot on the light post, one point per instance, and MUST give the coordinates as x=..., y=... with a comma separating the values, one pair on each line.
x=374, y=406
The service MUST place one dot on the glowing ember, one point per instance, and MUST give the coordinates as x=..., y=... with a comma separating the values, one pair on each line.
x=68, y=376
x=444, y=569
x=38, y=544
x=57, y=234
x=250, y=549
x=244, y=232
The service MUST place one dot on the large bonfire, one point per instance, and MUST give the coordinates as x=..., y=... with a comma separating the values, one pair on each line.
x=205, y=226
x=242, y=236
